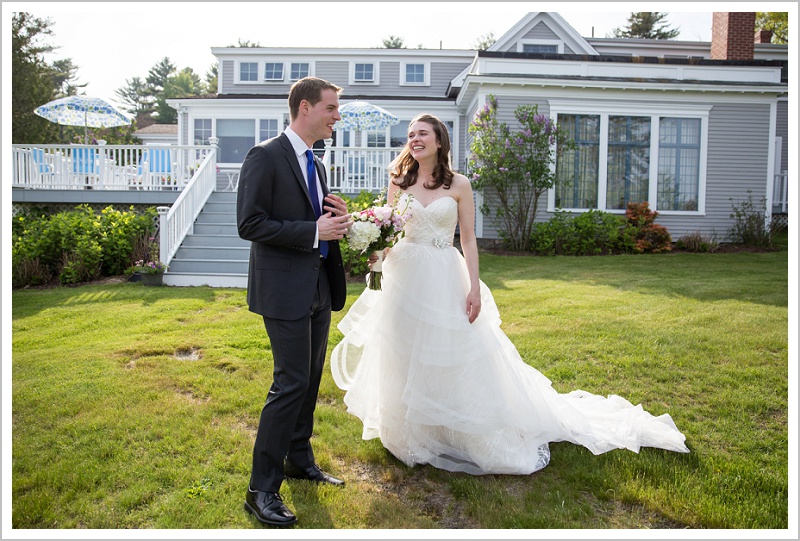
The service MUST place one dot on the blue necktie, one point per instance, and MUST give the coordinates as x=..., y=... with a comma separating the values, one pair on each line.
x=312, y=190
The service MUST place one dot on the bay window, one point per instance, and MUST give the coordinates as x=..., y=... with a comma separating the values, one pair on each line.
x=631, y=154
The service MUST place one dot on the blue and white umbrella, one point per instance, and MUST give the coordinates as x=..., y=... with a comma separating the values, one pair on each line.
x=82, y=111
x=362, y=115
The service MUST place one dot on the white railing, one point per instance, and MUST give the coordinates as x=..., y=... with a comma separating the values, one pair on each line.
x=105, y=167
x=353, y=170
x=176, y=221
x=780, y=196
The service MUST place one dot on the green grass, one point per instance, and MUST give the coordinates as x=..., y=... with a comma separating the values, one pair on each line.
x=136, y=407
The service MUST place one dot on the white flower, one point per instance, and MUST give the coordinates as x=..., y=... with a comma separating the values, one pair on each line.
x=362, y=234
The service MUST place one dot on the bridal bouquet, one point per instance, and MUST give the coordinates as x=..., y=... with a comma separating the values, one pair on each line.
x=376, y=228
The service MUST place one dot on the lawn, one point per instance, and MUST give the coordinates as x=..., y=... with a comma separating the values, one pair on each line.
x=136, y=407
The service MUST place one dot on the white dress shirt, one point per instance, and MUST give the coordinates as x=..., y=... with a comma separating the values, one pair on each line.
x=300, y=148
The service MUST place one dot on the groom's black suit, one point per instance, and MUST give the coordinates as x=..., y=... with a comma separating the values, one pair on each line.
x=294, y=290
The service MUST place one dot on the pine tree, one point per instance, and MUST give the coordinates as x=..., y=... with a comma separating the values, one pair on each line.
x=646, y=25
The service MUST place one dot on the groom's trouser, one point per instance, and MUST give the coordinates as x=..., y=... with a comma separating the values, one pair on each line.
x=287, y=419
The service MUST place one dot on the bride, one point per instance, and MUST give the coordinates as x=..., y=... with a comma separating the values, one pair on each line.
x=428, y=370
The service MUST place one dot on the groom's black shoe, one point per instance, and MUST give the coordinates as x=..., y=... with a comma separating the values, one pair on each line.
x=268, y=508
x=311, y=473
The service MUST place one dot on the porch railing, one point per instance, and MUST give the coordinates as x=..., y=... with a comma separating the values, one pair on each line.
x=354, y=169
x=176, y=221
x=105, y=167
x=780, y=196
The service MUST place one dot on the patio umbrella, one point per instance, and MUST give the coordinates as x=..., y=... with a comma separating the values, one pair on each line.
x=82, y=111
x=362, y=115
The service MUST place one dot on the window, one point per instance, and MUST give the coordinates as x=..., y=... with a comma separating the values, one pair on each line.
x=628, y=168
x=577, y=169
x=631, y=153
x=376, y=139
x=202, y=131
x=273, y=71
x=678, y=163
x=364, y=73
x=539, y=48
x=248, y=71
x=267, y=129
x=398, y=134
x=415, y=73
x=236, y=137
x=299, y=70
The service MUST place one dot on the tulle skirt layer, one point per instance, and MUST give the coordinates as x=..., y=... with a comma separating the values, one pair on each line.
x=438, y=390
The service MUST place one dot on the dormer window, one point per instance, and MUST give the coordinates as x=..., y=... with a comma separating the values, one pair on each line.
x=299, y=70
x=248, y=71
x=547, y=46
x=415, y=73
x=273, y=71
x=364, y=73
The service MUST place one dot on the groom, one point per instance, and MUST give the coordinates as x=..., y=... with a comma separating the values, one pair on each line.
x=295, y=279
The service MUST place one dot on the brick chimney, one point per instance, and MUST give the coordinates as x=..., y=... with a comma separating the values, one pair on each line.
x=763, y=36
x=732, y=36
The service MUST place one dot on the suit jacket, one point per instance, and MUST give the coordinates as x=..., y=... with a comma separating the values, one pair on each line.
x=274, y=212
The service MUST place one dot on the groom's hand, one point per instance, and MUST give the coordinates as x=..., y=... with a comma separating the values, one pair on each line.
x=332, y=227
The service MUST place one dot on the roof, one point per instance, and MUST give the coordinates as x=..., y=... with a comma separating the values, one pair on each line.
x=158, y=129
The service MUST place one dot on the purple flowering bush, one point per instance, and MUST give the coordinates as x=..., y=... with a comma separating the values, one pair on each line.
x=513, y=169
x=149, y=267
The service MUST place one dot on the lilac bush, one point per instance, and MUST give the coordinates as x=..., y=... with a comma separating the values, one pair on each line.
x=513, y=169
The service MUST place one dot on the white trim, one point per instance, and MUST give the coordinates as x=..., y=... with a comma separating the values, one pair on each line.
x=264, y=68
x=773, y=120
x=604, y=109
x=557, y=42
x=237, y=75
x=426, y=73
x=376, y=73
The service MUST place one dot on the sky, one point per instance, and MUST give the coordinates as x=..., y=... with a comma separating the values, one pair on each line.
x=112, y=42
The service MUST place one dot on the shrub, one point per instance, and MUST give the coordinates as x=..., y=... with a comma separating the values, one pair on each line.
x=750, y=226
x=649, y=237
x=697, y=242
x=590, y=233
x=76, y=245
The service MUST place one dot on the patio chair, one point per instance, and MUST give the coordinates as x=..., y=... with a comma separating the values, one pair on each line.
x=42, y=171
x=156, y=170
x=84, y=166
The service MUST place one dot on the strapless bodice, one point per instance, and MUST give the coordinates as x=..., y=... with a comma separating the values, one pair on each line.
x=434, y=224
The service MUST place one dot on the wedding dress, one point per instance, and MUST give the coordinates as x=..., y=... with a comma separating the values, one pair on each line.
x=438, y=390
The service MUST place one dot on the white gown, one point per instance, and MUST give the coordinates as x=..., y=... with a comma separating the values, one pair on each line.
x=438, y=390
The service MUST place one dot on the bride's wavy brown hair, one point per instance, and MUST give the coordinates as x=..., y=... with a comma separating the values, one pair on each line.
x=405, y=169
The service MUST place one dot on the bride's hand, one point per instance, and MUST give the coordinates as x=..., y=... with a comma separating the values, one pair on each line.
x=373, y=257
x=473, y=305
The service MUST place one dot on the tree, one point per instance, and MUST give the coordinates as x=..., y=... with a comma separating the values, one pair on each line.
x=136, y=94
x=646, y=25
x=65, y=78
x=246, y=43
x=158, y=75
x=32, y=79
x=393, y=42
x=183, y=84
x=514, y=169
x=212, y=79
x=777, y=23
x=484, y=42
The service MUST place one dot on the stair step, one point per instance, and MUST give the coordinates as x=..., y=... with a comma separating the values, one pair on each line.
x=231, y=241
x=218, y=266
x=234, y=253
x=206, y=217
x=216, y=229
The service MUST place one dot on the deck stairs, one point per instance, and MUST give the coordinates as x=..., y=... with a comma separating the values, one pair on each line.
x=213, y=254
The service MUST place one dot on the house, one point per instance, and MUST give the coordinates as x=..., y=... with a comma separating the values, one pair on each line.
x=711, y=118
x=693, y=128
x=158, y=134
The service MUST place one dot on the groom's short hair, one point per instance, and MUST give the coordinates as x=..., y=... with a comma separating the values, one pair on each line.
x=309, y=89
